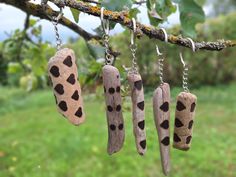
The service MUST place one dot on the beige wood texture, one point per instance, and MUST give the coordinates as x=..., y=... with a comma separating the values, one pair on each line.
x=161, y=102
x=115, y=121
x=62, y=70
x=137, y=96
x=184, y=119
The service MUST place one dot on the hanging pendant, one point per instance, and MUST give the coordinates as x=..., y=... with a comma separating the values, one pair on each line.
x=184, y=118
x=137, y=96
x=161, y=101
x=63, y=73
x=115, y=121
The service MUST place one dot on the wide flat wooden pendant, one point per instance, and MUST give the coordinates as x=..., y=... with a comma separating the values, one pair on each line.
x=137, y=96
x=63, y=73
x=115, y=121
x=184, y=118
x=161, y=102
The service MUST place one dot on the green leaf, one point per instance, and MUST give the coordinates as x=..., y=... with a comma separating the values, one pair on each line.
x=133, y=12
x=159, y=10
x=75, y=14
x=116, y=5
x=190, y=14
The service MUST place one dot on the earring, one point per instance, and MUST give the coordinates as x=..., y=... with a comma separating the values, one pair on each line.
x=185, y=112
x=111, y=83
x=161, y=101
x=63, y=74
x=137, y=96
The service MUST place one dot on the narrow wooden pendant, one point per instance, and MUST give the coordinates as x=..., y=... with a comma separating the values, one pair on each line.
x=161, y=102
x=115, y=121
x=63, y=73
x=184, y=118
x=137, y=96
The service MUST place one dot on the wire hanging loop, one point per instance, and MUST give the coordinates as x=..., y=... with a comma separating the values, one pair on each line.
x=160, y=65
x=185, y=74
x=133, y=48
x=161, y=58
x=109, y=58
x=55, y=21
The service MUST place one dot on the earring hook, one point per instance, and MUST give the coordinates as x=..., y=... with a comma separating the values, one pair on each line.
x=104, y=23
x=165, y=34
x=185, y=74
x=158, y=51
x=133, y=32
x=192, y=44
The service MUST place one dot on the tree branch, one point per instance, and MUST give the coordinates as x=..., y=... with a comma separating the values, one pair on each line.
x=150, y=31
x=38, y=11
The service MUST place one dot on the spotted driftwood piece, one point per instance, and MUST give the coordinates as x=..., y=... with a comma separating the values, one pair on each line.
x=161, y=102
x=184, y=118
x=137, y=96
x=63, y=73
x=115, y=121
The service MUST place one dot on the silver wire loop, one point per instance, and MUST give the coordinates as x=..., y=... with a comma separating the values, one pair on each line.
x=133, y=34
x=109, y=58
x=133, y=48
x=160, y=65
x=165, y=34
x=192, y=44
x=185, y=74
x=55, y=21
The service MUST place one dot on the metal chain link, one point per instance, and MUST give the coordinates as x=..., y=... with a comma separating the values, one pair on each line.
x=185, y=74
x=160, y=72
x=109, y=58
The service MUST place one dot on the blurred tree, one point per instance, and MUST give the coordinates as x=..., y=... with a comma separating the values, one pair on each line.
x=218, y=7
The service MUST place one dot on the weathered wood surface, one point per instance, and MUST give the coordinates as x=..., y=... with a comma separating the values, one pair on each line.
x=137, y=96
x=115, y=121
x=184, y=119
x=161, y=102
x=62, y=70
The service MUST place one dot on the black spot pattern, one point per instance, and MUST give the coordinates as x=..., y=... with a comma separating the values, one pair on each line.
x=143, y=144
x=190, y=124
x=176, y=138
x=68, y=61
x=59, y=89
x=118, y=89
x=117, y=76
x=121, y=126
x=193, y=105
x=112, y=127
x=63, y=106
x=141, y=105
x=105, y=90
x=165, y=124
x=118, y=108
x=138, y=84
x=55, y=71
x=178, y=123
x=141, y=124
x=71, y=79
x=75, y=95
x=109, y=108
x=188, y=139
x=111, y=90
x=180, y=106
x=165, y=107
x=79, y=112
x=166, y=141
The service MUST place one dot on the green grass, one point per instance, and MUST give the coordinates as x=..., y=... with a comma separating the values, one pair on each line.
x=35, y=141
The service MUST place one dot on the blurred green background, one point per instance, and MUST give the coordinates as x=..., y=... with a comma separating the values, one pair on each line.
x=36, y=141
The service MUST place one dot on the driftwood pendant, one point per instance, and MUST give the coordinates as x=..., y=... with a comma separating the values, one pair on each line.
x=115, y=121
x=161, y=102
x=137, y=96
x=184, y=118
x=63, y=73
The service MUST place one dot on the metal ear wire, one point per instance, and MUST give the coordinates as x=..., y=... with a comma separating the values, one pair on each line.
x=185, y=73
x=133, y=47
x=192, y=44
x=133, y=35
x=104, y=23
x=165, y=34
